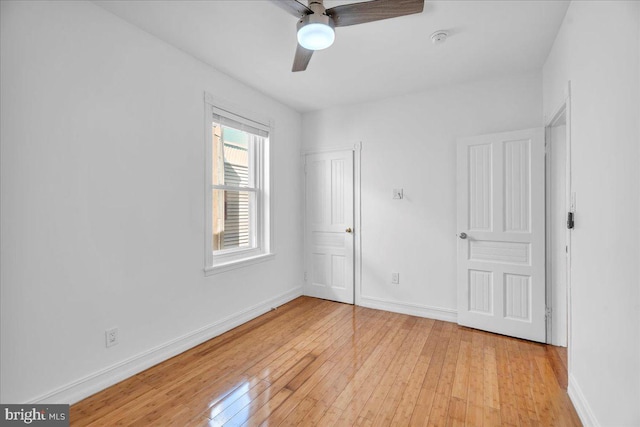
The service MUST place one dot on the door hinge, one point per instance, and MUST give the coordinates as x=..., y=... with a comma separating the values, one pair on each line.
x=547, y=312
x=305, y=276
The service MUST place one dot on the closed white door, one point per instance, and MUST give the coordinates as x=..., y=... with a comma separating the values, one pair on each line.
x=329, y=226
x=501, y=233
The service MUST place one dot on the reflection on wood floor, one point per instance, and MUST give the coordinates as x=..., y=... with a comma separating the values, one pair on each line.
x=316, y=362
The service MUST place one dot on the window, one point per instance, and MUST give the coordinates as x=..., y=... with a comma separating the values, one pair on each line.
x=237, y=198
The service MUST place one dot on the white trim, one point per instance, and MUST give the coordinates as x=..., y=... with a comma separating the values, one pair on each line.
x=262, y=220
x=438, y=313
x=222, y=104
x=569, y=234
x=233, y=188
x=580, y=404
x=565, y=108
x=99, y=380
x=232, y=265
x=561, y=112
x=355, y=147
x=208, y=172
x=357, y=222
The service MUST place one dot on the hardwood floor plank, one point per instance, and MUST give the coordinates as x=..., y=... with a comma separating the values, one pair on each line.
x=356, y=394
x=508, y=402
x=491, y=394
x=267, y=401
x=437, y=348
x=99, y=405
x=461, y=377
x=475, y=391
x=457, y=412
x=521, y=384
x=392, y=400
x=315, y=362
x=558, y=395
x=349, y=360
x=327, y=362
x=440, y=406
x=379, y=358
x=553, y=354
x=313, y=416
x=375, y=401
x=330, y=417
x=296, y=417
x=238, y=399
x=438, y=339
x=299, y=395
x=265, y=410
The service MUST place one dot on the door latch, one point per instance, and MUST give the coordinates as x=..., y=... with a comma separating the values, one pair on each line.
x=570, y=223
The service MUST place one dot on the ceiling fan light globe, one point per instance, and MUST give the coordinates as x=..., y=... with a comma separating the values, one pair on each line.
x=316, y=36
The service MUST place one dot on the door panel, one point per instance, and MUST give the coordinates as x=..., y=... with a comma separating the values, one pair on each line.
x=329, y=214
x=501, y=271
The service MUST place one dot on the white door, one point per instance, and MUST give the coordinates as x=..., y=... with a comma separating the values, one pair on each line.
x=329, y=226
x=501, y=232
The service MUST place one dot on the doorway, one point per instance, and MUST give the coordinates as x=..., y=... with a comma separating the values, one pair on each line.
x=330, y=226
x=558, y=207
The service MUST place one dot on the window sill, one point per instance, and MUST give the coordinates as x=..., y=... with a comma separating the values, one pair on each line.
x=232, y=265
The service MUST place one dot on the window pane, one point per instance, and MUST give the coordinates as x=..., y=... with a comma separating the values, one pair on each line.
x=231, y=156
x=232, y=219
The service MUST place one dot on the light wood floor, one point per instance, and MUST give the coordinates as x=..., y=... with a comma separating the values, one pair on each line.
x=318, y=362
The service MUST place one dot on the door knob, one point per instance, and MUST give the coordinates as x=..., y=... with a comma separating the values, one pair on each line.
x=348, y=230
x=463, y=235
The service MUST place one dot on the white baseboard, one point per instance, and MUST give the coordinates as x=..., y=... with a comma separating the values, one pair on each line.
x=93, y=383
x=580, y=403
x=438, y=313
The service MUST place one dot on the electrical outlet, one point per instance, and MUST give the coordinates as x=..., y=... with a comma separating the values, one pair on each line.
x=395, y=278
x=111, y=336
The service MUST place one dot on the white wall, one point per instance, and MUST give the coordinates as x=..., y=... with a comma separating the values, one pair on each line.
x=103, y=201
x=597, y=49
x=410, y=142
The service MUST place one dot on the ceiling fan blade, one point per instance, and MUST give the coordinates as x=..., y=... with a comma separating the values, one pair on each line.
x=374, y=10
x=302, y=58
x=294, y=7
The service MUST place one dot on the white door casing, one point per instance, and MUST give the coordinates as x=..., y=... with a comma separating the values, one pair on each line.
x=501, y=210
x=557, y=243
x=329, y=220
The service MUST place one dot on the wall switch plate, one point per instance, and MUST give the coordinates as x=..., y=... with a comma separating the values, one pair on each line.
x=398, y=193
x=395, y=278
x=111, y=336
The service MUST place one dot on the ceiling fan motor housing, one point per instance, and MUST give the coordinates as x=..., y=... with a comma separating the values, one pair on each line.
x=316, y=29
x=317, y=17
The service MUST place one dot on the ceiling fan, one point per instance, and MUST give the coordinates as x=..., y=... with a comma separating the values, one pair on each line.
x=316, y=24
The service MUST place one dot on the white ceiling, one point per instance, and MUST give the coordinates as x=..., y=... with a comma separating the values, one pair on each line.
x=254, y=41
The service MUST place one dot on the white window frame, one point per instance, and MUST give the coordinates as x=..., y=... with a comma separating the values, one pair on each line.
x=261, y=228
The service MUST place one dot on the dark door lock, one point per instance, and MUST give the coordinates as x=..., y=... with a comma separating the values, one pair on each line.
x=570, y=223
